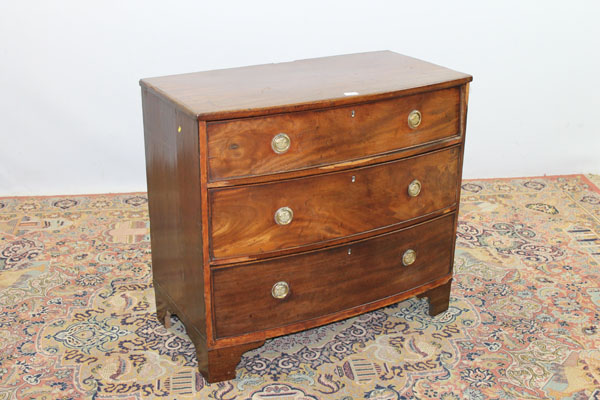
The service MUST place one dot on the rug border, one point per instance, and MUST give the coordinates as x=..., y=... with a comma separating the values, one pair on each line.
x=48, y=196
x=585, y=178
x=592, y=185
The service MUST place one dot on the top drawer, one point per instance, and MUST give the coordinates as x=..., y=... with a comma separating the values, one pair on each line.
x=285, y=142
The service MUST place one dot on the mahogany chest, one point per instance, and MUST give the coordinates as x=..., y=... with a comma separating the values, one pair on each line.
x=287, y=196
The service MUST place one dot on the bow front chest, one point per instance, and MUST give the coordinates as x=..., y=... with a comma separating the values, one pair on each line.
x=287, y=196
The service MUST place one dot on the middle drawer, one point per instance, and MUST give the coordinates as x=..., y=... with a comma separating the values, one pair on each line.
x=258, y=219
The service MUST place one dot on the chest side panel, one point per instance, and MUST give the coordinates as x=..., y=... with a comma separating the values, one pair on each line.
x=173, y=178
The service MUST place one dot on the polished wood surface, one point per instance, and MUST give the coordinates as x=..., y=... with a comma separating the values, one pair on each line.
x=301, y=85
x=214, y=184
x=342, y=165
x=331, y=280
x=330, y=206
x=204, y=263
x=172, y=171
x=329, y=318
x=242, y=147
x=223, y=361
x=224, y=262
x=439, y=298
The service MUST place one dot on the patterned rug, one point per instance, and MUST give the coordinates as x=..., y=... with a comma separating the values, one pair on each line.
x=77, y=314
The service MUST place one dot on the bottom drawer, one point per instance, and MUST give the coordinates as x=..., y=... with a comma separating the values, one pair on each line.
x=326, y=281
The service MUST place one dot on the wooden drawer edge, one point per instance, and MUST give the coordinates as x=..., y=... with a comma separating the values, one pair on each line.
x=327, y=319
x=308, y=106
x=340, y=166
x=225, y=262
x=326, y=103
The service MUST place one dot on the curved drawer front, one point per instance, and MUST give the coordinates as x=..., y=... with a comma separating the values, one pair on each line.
x=268, y=217
x=251, y=146
x=286, y=290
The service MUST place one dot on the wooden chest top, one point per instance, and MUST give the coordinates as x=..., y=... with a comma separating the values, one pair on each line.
x=301, y=85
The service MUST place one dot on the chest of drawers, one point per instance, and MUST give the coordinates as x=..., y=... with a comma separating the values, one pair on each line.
x=287, y=196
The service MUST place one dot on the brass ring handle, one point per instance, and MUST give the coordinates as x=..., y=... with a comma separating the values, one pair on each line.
x=284, y=216
x=280, y=290
x=414, y=119
x=414, y=188
x=409, y=257
x=280, y=143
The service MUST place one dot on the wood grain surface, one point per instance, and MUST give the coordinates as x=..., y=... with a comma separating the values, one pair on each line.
x=301, y=85
x=223, y=361
x=330, y=206
x=340, y=166
x=242, y=147
x=172, y=170
x=330, y=280
x=439, y=298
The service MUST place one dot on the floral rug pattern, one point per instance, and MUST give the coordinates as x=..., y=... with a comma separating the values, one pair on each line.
x=78, y=321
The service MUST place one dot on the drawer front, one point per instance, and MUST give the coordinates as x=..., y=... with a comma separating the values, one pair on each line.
x=331, y=280
x=249, y=147
x=330, y=206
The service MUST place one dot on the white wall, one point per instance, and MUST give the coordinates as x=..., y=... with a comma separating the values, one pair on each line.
x=70, y=109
